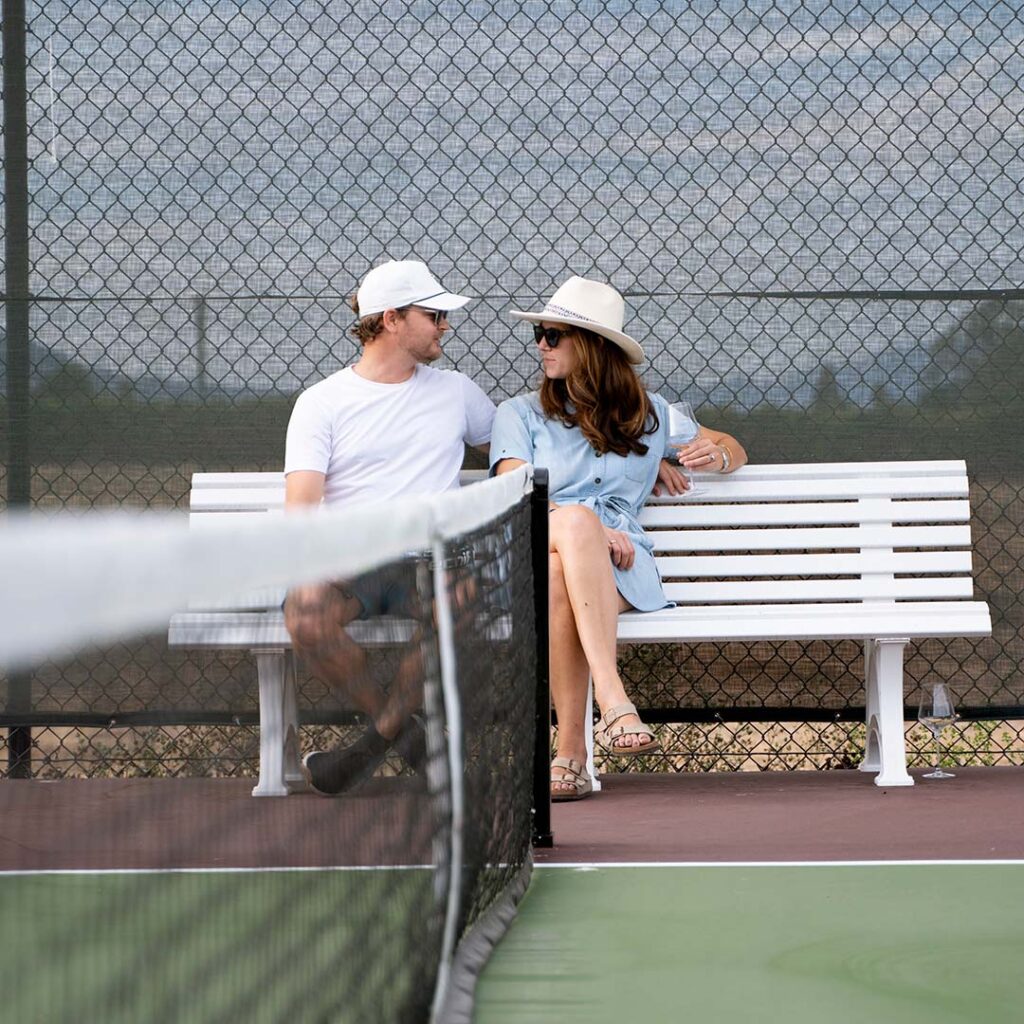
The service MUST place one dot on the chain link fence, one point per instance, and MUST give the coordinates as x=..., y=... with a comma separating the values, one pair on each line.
x=814, y=210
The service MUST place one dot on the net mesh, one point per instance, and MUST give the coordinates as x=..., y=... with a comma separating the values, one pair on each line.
x=158, y=888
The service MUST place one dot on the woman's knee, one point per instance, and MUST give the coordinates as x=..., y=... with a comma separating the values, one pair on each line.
x=574, y=524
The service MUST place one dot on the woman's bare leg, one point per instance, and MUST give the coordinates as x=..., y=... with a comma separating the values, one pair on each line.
x=584, y=616
x=569, y=670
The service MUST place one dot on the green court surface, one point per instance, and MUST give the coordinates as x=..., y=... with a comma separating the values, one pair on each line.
x=252, y=946
x=801, y=944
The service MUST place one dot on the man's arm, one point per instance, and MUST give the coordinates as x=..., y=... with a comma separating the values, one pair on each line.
x=303, y=488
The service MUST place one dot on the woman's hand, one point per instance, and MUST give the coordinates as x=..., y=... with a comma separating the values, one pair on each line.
x=703, y=454
x=620, y=548
x=670, y=478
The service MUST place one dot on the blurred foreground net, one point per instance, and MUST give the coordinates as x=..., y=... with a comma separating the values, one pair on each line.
x=171, y=899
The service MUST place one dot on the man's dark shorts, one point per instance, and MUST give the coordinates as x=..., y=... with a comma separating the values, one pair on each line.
x=389, y=590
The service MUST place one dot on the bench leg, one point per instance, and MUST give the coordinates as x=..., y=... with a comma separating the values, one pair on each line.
x=293, y=776
x=886, y=751
x=271, y=671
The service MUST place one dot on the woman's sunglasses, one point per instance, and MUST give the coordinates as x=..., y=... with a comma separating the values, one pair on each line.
x=552, y=335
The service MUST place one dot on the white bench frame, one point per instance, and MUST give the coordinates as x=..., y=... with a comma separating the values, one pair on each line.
x=875, y=552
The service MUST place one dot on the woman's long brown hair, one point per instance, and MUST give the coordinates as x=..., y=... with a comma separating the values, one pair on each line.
x=609, y=404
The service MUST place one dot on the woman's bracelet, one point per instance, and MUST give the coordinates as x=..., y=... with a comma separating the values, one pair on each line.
x=726, y=458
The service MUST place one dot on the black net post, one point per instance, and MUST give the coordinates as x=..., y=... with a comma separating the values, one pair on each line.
x=16, y=255
x=542, y=835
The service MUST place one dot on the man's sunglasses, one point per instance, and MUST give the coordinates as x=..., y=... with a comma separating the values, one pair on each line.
x=552, y=335
x=437, y=315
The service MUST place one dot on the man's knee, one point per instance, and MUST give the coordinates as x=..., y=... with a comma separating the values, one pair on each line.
x=315, y=617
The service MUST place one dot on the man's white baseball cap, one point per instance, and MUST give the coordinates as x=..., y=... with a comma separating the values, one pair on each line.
x=400, y=283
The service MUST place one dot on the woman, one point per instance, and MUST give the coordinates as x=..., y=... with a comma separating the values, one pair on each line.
x=601, y=437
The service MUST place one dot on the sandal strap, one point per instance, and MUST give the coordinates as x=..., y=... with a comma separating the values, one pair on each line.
x=629, y=730
x=575, y=768
x=613, y=714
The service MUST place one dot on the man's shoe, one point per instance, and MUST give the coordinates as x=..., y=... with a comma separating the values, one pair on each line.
x=330, y=772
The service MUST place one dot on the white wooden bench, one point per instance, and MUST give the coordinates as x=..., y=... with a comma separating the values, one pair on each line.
x=876, y=552
x=872, y=551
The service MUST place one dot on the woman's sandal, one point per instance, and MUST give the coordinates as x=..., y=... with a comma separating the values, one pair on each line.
x=568, y=771
x=608, y=732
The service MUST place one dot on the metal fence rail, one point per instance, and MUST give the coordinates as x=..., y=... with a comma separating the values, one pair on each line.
x=814, y=210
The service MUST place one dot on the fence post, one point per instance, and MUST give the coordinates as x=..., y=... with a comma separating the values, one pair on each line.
x=19, y=482
x=542, y=835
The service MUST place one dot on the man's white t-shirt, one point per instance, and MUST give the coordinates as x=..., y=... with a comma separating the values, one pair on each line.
x=377, y=441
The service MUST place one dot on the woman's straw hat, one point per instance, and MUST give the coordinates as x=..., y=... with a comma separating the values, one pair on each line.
x=597, y=307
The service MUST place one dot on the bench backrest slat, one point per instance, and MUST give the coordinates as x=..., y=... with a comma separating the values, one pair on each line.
x=828, y=538
x=257, y=492
x=850, y=470
x=718, y=489
x=854, y=564
x=820, y=513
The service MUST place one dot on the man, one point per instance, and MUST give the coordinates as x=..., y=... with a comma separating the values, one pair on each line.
x=385, y=427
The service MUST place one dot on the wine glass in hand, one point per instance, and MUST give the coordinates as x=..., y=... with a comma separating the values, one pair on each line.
x=935, y=713
x=682, y=429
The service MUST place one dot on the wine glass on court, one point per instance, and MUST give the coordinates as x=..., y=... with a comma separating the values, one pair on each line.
x=682, y=429
x=936, y=711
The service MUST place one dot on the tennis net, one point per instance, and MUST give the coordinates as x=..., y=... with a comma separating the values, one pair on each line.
x=160, y=889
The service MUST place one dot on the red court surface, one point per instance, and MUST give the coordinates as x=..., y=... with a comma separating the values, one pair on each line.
x=122, y=824
x=637, y=818
x=792, y=816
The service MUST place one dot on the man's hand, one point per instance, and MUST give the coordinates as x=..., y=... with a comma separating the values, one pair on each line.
x=670, y=478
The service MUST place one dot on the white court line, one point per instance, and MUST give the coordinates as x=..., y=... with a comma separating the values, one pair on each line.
x=217, y=871
x=597, y=865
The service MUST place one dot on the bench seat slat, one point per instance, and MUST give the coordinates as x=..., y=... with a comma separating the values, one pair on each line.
x=256, y=630
x=806, y=514
x=826, y=538
x=868, y=589
x=266, y=630
x=807, y=622
x=869, y=561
